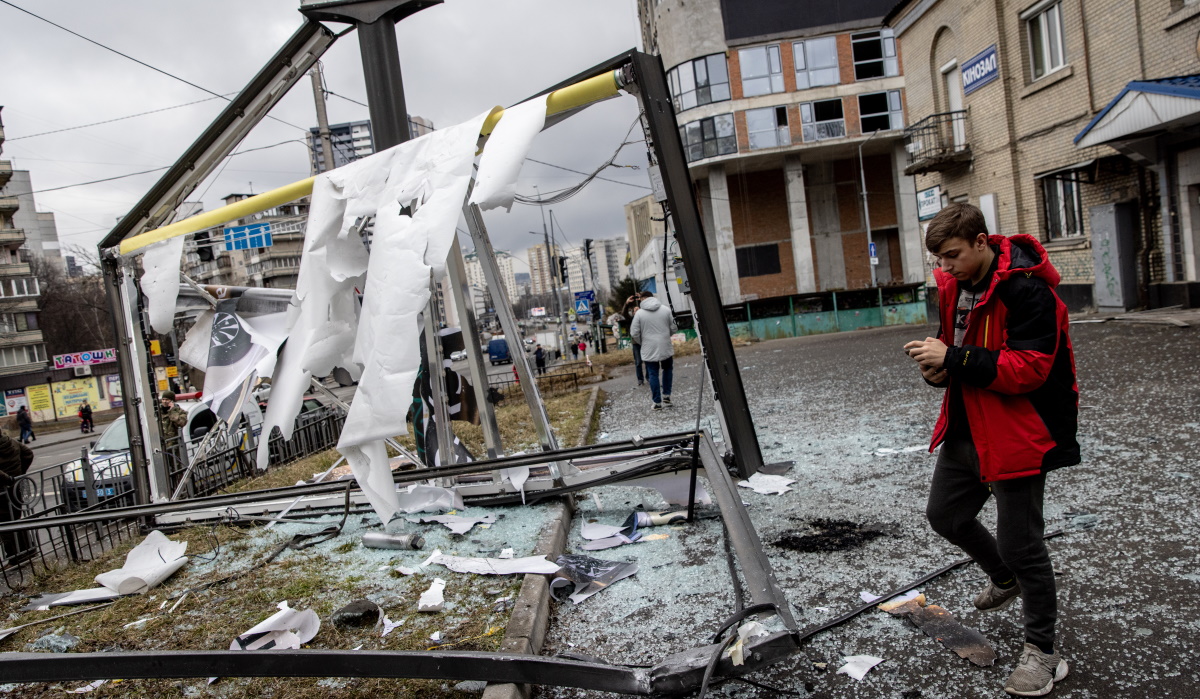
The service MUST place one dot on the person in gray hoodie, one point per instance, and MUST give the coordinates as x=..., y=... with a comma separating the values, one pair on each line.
x=652, y=327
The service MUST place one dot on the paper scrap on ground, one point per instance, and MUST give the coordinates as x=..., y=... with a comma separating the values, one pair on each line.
x=593, y=531
x=414, y=194
x=504, y=153
x=87, y=687
x=432, y=599
x=432, y=556
x=941, y=625
x=387, y=624
x=674, y=487
x=857, y=666
x=507, y=553
x=405, y=570
x=868, y=597
x=428, y=498
x=286, y=629
x=148, y=564
x=584, y=576
x=160, y=282
x=767, y=484
x=537, y=565
x=456, y=523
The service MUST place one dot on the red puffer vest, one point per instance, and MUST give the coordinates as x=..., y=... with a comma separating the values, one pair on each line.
x=1016, y=366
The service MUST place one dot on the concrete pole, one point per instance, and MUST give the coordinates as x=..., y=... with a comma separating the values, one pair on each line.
x=862, y=173
x=322, y=120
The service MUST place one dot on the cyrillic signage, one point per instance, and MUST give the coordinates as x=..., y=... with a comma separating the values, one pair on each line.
x=980, y=70
x=101, y=356
x=929, y=202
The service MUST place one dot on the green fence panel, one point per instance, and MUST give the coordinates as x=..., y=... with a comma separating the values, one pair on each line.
x=905, y=314
x=816, y=323
x=771, y=328
x=856, y=318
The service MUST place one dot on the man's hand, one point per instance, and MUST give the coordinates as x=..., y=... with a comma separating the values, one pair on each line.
x=930, y=352
x=933, y=376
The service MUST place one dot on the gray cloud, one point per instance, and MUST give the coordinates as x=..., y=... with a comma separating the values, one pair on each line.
x=458, y=59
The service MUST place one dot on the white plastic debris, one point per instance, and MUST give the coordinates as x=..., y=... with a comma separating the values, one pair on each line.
x=857, y=666
x=160, y=282
x=537, y=565
x=433, y=556
x=884, y=451
x=675, y=487
x=436, y=636
x=405, y=570
x=428, y=498
x=148, y=564
x=517, y=475
x=387, y=624
x=286, y=629
x=507, y=553
x=593, y=531
x=767, y=484
x=432, y=599
x=90, y=687
x=504, y=153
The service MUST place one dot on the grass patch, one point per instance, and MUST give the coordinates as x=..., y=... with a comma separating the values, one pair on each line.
x=616, y=358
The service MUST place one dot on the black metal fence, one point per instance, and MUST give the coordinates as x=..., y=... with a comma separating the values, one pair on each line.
x=552, y=382
x=82, y=485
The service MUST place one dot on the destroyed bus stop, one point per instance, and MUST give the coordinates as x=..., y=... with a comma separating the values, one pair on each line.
x=557, y=471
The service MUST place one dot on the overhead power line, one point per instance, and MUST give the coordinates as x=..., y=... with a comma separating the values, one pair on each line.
x=109, y=121
x=135, y=60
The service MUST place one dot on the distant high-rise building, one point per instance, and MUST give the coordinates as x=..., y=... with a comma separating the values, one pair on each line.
x=22, y=348
x=352, y=140
x=504, y=261
x=540, y=268
x=523, y=283
x=608, y=266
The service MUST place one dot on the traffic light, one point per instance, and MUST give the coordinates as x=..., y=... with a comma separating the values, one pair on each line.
x=562, y=268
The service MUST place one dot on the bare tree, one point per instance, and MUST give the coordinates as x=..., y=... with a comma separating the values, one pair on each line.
x=73, y=311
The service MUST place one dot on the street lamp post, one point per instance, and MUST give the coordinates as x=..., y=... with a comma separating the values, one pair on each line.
x=866, y=206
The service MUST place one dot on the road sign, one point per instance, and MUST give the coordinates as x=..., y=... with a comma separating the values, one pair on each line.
x=874, y=255
x=583, y=306
x=254, y=235
x=573, y=327
x=589, y=295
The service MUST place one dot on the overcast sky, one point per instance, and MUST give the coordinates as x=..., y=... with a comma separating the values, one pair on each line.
x=458, y=59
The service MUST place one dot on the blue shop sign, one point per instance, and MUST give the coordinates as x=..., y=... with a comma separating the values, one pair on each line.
x=980, y=70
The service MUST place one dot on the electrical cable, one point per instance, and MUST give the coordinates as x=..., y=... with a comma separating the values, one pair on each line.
x=139, y=62
x=109, y=121
x=577, y=188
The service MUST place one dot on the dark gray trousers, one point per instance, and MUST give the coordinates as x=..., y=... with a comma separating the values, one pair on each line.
x=955, y=498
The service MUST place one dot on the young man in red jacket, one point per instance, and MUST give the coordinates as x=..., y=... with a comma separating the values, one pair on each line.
x=1008, y=417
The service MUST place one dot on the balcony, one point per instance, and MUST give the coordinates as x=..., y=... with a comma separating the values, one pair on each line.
x=20, y=339
x=6, y=171
x=12, y=236
x=15, y=270
x=9, y=204
x=937, y=143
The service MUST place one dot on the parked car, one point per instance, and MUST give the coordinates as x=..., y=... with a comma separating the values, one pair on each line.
x=498, y=351
x=458, y=356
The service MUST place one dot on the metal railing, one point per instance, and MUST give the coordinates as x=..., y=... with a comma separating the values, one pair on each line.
x=500, y=388
x=82, y=485
x=936, y=141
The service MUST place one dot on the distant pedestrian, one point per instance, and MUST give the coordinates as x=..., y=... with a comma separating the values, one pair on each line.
x=85, y=418
x=539, y=358
x=583, y=347
x=574, y=349
x=173, y=417
x=15, y=460
x=628, y=312
x=652, y=328
x=25, y=423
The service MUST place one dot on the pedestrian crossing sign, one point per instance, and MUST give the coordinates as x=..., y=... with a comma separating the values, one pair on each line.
x=583, y=307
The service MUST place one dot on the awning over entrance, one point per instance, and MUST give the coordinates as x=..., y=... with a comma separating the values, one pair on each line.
x=1145, y=107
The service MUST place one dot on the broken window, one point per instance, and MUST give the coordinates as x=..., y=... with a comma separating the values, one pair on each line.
x=758, y=260
x=822, y=120
x=880, y=111
x=874, y=55
x=768, y=127
x=706, y=138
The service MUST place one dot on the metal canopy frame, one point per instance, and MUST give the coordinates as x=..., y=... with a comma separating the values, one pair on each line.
x=643, y=76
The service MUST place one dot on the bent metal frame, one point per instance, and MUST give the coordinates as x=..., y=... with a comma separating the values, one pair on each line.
x=635, y=73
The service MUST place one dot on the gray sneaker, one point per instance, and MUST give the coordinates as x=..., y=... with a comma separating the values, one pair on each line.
x=657, y=406
x=666, y=400
x=1036, y=673
x=994, y=598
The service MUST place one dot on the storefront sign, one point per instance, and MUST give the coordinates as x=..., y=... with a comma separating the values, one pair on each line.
x=929, y=202
x=69, y=395
x=39, y=397
x=980, y=70
x=102, y=356
x=14, y=398
x=112, y=386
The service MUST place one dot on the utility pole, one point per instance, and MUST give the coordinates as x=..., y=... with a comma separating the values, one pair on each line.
x=322, y=121
x=552, y=267
x=557, y=271
x=867, y=207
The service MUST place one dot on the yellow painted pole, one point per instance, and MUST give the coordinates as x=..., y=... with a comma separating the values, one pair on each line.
x=582, y=93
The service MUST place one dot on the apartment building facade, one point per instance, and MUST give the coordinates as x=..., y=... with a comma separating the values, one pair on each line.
x=22, y=349
x=542, y=268
x=597, y=265
x=791, y=116
x=1074, y=121
x=351, y=141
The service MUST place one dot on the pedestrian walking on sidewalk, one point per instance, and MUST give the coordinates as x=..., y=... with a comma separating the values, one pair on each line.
x=652, y=328
x=25, y=423
x=539, y=358
x=85, y=418
x=1008, y=417
x=629, y=311
x=574, y=349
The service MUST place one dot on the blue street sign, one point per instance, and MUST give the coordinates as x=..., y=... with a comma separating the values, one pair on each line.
x=873, y=254
x=980, y=70
x=254, y=235
x=589, y=295
x=583, y=306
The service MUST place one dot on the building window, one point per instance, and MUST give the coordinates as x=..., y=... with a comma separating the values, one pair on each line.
x=702, y=81
x=19, y=286
x=758, y=260
x=16, y=356
x=705, y=138
x=768, y=127
x=880, y=111
x=1045, y=40
x=874, y=55
x=822, y=120
x=762, y=70
x=1064, y=209
x=816, y=62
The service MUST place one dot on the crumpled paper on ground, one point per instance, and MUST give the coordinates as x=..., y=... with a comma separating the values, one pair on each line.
x=160, y=282
x=286, y=629
x=428, y=498
x=537, y=565
x=432, y=599
x=767, y=484
x=415, y=191
x=857, y=666
x=146, y=565
x=517, y=475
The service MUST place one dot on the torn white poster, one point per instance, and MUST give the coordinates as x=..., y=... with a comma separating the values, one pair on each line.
x=61, y=599
x=160, y=282
x=194, y=350
x=456, y=523
x=674, y=487
x=767, y=484
x=428, y=498
x=415, y=192
x=287, y=628
x=537, y=565
x=148, y=564
x=237, y=352
x=504, y=153
x=432, y=599
x=432, y=556
x=857, y=666
x=517, y=475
